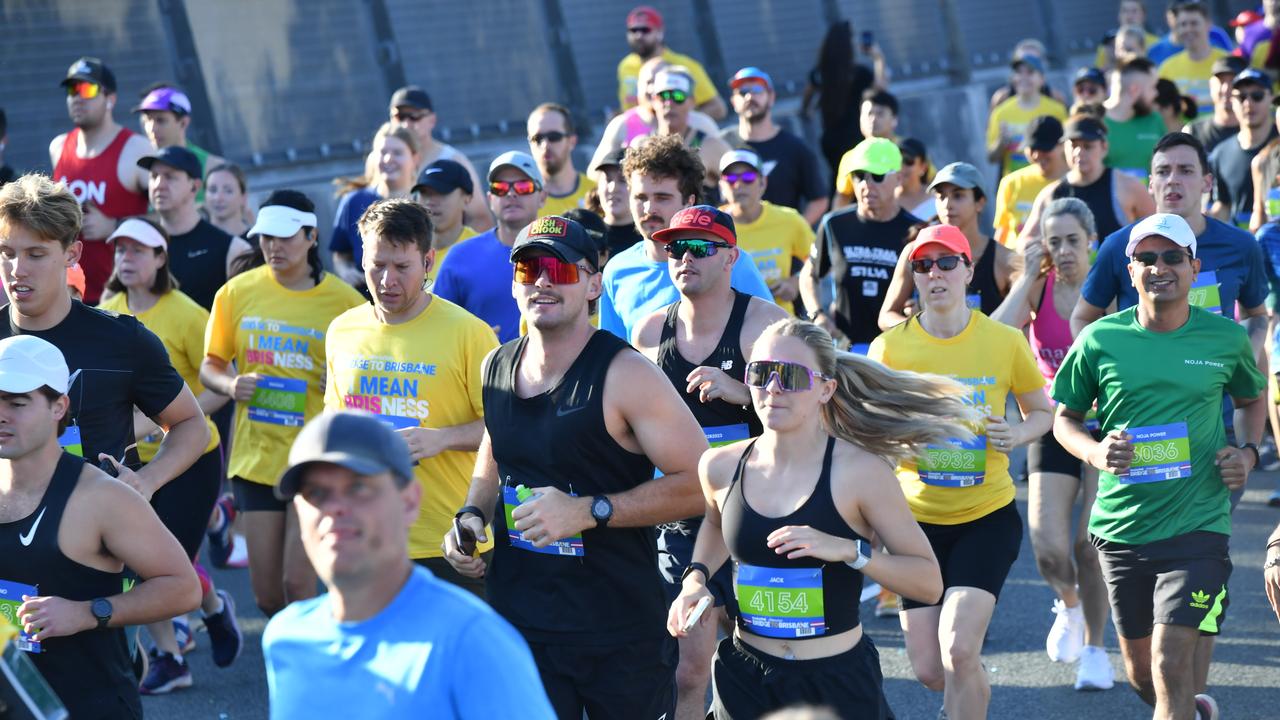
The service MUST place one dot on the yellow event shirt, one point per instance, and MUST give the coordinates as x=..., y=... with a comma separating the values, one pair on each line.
x=179, y=322
x=1192, y=76
x=421, y=373
x=561, y=205
x=1100, y=57
x=1260, y=52
x=278, y=333
x=629, y=68
x=990, y=358
x=1015, y=118
x=1014, y=199
x=435, y=266
x=777, y=236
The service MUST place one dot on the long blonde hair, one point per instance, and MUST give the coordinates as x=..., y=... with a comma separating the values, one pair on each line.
x=894, y=414
x=372, y=175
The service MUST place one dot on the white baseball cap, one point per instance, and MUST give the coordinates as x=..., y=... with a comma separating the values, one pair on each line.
x=671, y=79
x=747, y=157
x=28, y=363
x=281, y=221
x=1165, y=225
x=139, y=230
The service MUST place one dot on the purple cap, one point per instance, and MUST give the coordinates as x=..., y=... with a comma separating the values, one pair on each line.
x=166, y=98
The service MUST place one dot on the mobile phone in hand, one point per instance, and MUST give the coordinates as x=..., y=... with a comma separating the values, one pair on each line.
x=867, y=39
x=465, y=539
x=108, y=467
x=696, y=614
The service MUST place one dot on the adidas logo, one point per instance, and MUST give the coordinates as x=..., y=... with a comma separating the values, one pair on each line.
x=1200, y=600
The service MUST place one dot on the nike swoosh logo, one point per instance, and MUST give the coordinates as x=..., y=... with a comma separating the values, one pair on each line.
x=198, y=253
x=769, y=165
x=26, y=539
x=561, y=412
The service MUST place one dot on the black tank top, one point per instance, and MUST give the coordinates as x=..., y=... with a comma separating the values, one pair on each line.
x=90, y=671
x=984, y=280
x=601, y=589
x=760, y=596
x=1100, y=196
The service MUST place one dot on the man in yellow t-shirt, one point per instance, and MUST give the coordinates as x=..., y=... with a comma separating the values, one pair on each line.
x=1191, y=68
x=552, y=139
x=776, y=237
x=414, y=360
x=645, y=37
x=1008, y=123
x=1017, y=193
x=444, y=188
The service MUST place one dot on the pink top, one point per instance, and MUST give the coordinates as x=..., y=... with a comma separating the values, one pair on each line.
x=1050, y=333
x=636, y=126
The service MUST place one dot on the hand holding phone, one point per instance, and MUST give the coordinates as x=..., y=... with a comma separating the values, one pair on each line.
x=867, y=39
x=696, y=613
x=465, y=539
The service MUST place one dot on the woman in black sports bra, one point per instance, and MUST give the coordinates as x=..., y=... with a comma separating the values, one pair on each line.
x=795, y=509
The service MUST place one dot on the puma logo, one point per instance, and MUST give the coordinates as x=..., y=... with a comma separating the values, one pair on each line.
x=26, y=539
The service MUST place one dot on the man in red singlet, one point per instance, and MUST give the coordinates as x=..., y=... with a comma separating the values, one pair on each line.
x=98, y=162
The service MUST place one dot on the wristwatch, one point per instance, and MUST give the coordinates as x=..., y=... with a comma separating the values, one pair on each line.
x=864, y=555
x=696, y=567
x=101, y=609
x=472, y=510
x=601, y=510
x=1257, y=456
x=1273, y=562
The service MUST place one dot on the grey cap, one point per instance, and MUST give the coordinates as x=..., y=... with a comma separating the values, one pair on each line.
x=960, y=174
x=355, y=440
x=521, y=161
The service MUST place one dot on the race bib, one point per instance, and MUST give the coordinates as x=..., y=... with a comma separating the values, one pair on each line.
x=570, y=547
x=279, y=401
x=1139, y=173
x=962, y=465
x=1160, y=452
x=725, y=434
x=70, y=441
x=10, y=600
x=1206, y=292
x=781, y=602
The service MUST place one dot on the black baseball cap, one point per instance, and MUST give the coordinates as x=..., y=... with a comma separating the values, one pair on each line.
x=412, y=96
x=174, y=156
x=90, y=69
x=1229, y=65
x=1090, y=74
x=1043, y=133
x=1085, y=127
x=445, y=176
x=614, y=158
x=355, y=440
x=593, y=224
x=560, y=236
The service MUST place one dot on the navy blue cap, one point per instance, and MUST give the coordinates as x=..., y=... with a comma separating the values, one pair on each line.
x=1030, y=61
x=1251, y=75
x=353, y=439
x=1090, y=74
x=176, y=157
x=445, y=176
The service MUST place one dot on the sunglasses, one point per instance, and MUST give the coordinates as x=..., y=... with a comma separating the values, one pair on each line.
x=1256, y=96
x=1170, y=257
x=792, y=377
x=749, y=89
x=84, y=90
x=502, y=188
x=700, y=248
x=675, y=96
x=639, y=30
x=559, y=272
x=947, y=263
x=409, y=116
x=747, y=177
x=861, y=175
x=554, y=136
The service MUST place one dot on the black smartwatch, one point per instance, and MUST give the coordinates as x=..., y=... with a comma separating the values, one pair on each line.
x=101, y=609
x=1257, y=456
x=472, y=510
x=698, y=567
x=601, y=510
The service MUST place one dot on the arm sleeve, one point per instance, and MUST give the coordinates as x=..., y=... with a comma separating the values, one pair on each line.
x=703, y=89
x=340, y=240
x=516, y=691
x=1101, y=285
x=155, y=382
x=747, y=279
x=1076, y=384
x=220, y=333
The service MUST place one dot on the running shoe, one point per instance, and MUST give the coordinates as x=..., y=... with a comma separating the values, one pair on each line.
x=888, y=605
x=221, y=540
x=1094, y=671
x=1206, y=708
x=1066, y=637
x=182, y=631
x=1274, y=500
x=224, y=634
x=239, y=553
x=167, y=674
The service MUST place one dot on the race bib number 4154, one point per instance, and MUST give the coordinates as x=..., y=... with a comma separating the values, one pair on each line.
x=781, y=602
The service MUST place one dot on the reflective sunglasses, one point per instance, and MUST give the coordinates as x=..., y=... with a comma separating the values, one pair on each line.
x=947, y=263
x=749, y=89
x=861, y=175
x=675, y=96
x=639, y=30
x=559, y=272
x=403, y=116
x=699, y=248
x=1256, y=96
x=747, y=177
x=792, y=377
x=1170, y=257
x=550, y=137
x=84, y=90
x=502, y=188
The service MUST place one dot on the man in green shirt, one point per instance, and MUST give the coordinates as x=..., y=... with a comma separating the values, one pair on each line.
x=1161, y=520
x=1133, y=126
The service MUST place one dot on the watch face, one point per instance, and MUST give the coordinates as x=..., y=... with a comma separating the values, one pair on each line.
x=101, y=608
x=601, y=509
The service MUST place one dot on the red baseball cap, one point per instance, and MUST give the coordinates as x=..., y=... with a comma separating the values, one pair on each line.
x=644, y=16
x=1246, y=17
x=699, y=220
x=948, y=236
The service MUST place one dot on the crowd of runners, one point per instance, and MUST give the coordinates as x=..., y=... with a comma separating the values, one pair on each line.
x=558, y=440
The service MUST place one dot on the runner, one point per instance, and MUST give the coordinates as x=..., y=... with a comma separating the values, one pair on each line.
x=1007, y=125
x=820, y=420
x=914, y=194
x=1088, y=87
x=1129, y=14
x=1251, y=98
x=1042, y=299
x=877, y=118
x=166, y=117
x=1161, y=521
x=615, y=202
x=1133, y=125
x=413, y=360
x=226, y=205
x=962, y=498
x=646, y=35
x=552, y=138
x=1190, y=67
x=1018, y=190
x=444, y=188
x=1221, y=123
x=142, y=286
x=411, y=108
x=719, y=325
x=271, y=321
x=63, y=586
x=642, y=119
x=575, y=423
x=671, y=99
x=349, y=471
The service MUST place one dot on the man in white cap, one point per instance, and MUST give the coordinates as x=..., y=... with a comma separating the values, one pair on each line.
x=1161, y=520
x=72, y=529
x=672, y=99
x=474, y=275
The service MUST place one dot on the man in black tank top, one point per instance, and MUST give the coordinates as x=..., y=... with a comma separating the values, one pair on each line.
x=717, y=326
x=574, y=423
x=75, y=613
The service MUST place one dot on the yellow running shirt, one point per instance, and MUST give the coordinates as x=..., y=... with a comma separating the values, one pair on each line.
x=773, y=240
x=421, y=373
x=179, y=322
x=992, y=359
x=277, y=333
x=629, y=70
x=435, y=266
x=1192, y=76
x=1015, y=118
x=1014, y=199
x=561, y=205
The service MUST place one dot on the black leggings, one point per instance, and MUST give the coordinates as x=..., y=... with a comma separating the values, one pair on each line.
x=185, y=502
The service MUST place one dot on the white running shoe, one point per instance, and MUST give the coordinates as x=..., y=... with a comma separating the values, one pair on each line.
x=1206, y=707
x=1094, y=672
x=239, y=557
x=1066, y=637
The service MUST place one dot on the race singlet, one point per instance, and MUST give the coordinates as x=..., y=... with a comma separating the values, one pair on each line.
x=569, y=547
x=781, y=602
x=958, y=466
x=1160, y=452
x=279, y=401
x=1206, y=292
x=10, y=600
x=70, y=441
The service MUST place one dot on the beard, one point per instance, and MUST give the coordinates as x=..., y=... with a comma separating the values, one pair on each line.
x=1141, y=108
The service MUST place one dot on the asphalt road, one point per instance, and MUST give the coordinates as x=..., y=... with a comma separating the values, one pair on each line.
x=1245, y=677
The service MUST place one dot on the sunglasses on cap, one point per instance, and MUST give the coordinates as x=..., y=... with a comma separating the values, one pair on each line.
x=554, y=136
x=559, y=272
x=947, y=263
x=792, y=377
x=746, y=177
x=1256, y=96
x=404, y=116
x=84, y=89
x=675, y=96
x=1170, y=257
x=861, y=175
x=700, y=248
x=502, y=188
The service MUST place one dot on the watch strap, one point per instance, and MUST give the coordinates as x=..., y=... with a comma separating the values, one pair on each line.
x=699, y=567
x=1257, y=456
x=472, y=510
x=602, y=521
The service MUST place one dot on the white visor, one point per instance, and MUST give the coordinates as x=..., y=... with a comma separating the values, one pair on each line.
x=281, y=221
x=141, y=231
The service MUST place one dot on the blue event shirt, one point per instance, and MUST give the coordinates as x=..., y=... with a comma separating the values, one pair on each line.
x=435, y=651
x=1166, y=48
x=346, y=236
x=476, y=274
x=1269, y=242
x=635, y=287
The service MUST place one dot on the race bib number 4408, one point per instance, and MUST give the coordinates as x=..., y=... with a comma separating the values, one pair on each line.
x=279, y=401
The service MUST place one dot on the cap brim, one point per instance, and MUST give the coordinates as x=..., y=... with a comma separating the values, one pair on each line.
x=497, y=168
x=275, y=228
x=18, y=383
x=292, y=477
x=439, y=187
x=669, y=235
x=1133, y=243
x=78, y=78
x=949, y=180
x=560, y=250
